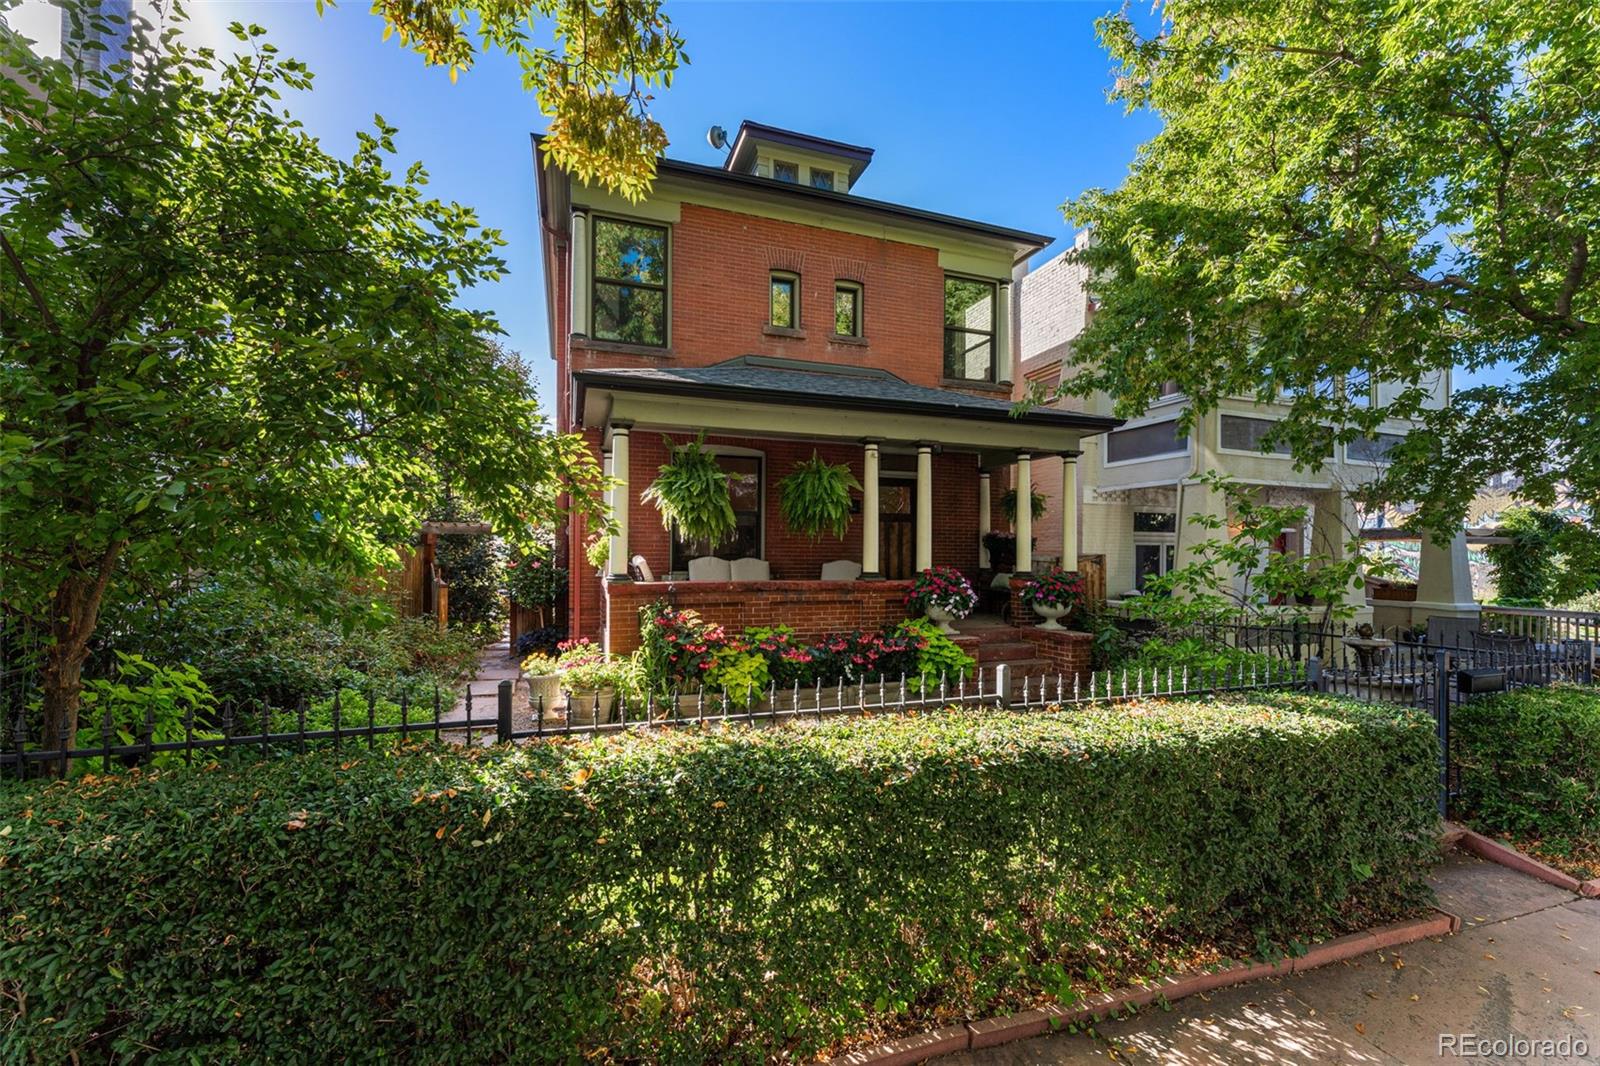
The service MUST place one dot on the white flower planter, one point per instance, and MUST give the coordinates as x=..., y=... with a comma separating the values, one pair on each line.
x=544, y=690
x=1050, y=614
x=942, y=619
x=589, y=707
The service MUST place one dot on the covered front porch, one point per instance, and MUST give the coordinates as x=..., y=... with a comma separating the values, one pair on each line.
x=932, y=466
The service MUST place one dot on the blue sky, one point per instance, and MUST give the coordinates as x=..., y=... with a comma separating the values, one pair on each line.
x=995, y=111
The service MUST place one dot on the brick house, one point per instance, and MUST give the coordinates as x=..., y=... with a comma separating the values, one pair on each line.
x=768, y=305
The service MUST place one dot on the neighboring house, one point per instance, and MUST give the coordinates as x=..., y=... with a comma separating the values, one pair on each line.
x=768, y=305
x=1140, y=484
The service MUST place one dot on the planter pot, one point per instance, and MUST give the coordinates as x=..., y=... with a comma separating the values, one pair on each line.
x=589, y=707
x=1050, y=614
x=942, y=619
x=544, y=690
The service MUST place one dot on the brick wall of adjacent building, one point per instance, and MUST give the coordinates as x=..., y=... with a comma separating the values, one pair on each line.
x=1054, y=300
x=813, y=609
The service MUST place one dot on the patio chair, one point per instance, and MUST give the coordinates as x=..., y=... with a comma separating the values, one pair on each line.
x=841, y=570
x=640, y=570
x=748, y=569
x=710, y=568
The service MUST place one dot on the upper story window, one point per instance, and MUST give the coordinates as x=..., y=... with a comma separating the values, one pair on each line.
x=969, y=321
x=1148, y=441
x=1243, y=434
x=785, y=301
x=786, y=171
x=821, y=179
x=1372, y=449
x=846, y=309
x=630, y=282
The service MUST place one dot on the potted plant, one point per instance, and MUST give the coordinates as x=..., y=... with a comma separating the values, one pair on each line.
x=1053, y=595
x=543, y=673
x=691, y=492
x=1008, y=503
x=589, y=678
x=943, y=594
x=816, y=497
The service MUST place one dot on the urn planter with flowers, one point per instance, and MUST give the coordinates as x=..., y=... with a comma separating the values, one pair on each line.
x=1054, y=595
x=943, y=594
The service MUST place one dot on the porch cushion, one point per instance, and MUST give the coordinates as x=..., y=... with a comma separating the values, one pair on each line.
x=751, y=570
x=841, y=570
x=641, y=569
x=710, y=568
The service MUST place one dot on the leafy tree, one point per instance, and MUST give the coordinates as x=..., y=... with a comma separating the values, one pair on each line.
x=593, y=79
x=223, y=346
x=1545, y=562
x=1356, y=193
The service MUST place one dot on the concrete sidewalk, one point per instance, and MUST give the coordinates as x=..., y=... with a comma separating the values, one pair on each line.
x=1526, y=965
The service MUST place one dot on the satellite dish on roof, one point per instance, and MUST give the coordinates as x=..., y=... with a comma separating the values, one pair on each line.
x=717, y=137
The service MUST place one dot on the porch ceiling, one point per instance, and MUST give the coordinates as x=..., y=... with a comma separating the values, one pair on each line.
x=762, y=397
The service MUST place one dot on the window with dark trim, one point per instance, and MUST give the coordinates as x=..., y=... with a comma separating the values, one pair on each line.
x=783, y=307
x=630, y=282
x=746, y=490
x=847, y=309
x=969, y=320
x=1372, y=449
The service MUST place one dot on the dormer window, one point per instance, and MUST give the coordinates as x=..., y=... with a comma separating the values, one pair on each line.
x=789, y=172
x=821, y=179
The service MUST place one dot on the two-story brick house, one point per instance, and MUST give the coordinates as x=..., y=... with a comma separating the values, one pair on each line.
x=768, y=305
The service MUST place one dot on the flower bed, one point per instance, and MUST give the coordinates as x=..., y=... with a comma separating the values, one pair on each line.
x=673, y=896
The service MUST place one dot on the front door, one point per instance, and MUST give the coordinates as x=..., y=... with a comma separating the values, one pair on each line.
x=897, y=528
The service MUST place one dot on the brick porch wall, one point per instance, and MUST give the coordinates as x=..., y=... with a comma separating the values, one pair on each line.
x=813, y=609
x=1067, y=651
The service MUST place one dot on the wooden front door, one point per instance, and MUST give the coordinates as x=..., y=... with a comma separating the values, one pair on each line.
x=897, y=528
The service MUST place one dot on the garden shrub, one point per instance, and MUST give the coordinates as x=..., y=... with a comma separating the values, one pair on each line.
x=1203, y=660
x=684, y=896
x=1529, y=764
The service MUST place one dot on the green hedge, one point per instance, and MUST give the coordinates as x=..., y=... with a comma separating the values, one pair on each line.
x=1529, y=763
x=719, y=895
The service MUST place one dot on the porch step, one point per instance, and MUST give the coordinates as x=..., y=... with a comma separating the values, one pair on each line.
x=1005, y=651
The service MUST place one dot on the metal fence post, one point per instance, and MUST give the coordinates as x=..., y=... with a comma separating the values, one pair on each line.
x=1314, y=674
x=1441, y=719
x=502, y=725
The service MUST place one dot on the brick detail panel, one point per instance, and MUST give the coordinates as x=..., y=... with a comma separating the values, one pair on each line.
x=813, y=609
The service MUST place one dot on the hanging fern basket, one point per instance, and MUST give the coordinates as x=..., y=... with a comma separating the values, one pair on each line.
x=1009, y=503
x=816, y=497
x=691, y=492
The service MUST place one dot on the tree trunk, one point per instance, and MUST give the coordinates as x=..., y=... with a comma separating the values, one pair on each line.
x=74, y=613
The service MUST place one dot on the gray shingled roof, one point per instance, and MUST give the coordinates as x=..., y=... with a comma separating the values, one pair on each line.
x=765, y=379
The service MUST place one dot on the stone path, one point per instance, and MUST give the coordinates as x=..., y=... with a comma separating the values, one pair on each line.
x=495, y=664
x=1526, y=965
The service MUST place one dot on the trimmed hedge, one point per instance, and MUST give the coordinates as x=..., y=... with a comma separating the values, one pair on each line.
x=1529, y=763
x=690, y=896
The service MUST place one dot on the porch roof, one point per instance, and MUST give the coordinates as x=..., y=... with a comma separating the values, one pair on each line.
x=754, y=379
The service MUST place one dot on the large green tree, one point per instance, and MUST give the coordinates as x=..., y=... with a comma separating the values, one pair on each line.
x=591, y=65
x=222, y=345
x=1360, y=192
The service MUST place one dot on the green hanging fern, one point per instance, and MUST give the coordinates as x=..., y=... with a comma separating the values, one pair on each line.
x=1009, y=503
x=816, y=497
x=692, y=491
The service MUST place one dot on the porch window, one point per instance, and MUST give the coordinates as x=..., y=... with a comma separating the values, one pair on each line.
x=785, y=299
x=1372, y=449
x=846, y=309
x=1155, y=545
x=630, y=282
x=747, y=488
x=1149, y=441
x=969, y=321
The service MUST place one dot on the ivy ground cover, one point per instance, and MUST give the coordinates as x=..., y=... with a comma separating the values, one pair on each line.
x=730, y=895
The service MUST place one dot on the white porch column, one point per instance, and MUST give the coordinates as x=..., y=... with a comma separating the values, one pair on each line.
x=1024, y=513
x=581, y=293
x=1334, y=522
x=1069, y=513
x=869, y=512
x=984, y=518
x=1444, y=580
x=1002, y=335
x=621, y=497
x=924, y=507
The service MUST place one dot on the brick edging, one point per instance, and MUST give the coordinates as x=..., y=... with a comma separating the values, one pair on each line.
x=989, y=1032
x=1505, y=855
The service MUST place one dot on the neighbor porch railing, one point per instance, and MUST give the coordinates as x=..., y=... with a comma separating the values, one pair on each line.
x=1542, y=624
